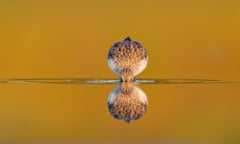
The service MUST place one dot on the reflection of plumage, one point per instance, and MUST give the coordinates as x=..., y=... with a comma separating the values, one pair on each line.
x=127, y=59
x=127, y=102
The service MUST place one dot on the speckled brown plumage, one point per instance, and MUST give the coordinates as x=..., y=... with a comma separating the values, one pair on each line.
x=127, y=102
x=127, y=59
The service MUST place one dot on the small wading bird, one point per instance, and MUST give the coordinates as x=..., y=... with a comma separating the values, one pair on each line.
x=127, y=59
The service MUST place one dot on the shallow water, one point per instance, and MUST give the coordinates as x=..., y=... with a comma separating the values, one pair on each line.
x=76, y=110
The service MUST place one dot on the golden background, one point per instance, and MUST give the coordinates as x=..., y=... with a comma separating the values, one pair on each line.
x=58, y=39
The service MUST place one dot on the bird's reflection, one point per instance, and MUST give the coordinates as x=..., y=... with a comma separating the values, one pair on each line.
x=127, y=102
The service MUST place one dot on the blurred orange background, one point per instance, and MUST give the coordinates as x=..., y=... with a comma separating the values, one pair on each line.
x=58, y=39
x=72, y=38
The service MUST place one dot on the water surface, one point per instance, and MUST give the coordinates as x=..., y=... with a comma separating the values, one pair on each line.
x=110, y=81
x=67, y=109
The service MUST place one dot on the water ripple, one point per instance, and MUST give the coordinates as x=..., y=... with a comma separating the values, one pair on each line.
x=111, y=81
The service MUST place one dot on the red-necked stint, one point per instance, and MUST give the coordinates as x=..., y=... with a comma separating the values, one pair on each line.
x=127, y=59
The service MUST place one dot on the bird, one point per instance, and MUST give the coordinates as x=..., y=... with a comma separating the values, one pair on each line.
x=127, y=102
x=127, y=59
